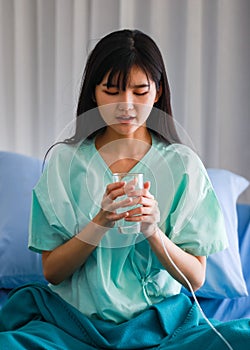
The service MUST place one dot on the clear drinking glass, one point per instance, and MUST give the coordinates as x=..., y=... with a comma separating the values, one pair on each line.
x=135, y=179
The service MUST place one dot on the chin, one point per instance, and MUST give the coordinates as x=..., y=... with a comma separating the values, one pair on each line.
x=125, y=130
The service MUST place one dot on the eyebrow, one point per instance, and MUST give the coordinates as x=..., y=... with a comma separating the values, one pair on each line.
x=133, y=86
x=110, y=85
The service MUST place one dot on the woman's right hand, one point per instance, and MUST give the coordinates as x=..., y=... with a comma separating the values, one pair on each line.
x=62, y=262
x=107, y=215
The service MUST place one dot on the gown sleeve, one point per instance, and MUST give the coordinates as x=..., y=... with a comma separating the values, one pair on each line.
x=195, y=221
x=53, y=220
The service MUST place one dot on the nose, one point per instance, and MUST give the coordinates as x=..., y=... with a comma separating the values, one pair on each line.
x=126, y=101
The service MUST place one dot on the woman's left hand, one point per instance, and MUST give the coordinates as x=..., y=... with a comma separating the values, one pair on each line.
x=147, y=212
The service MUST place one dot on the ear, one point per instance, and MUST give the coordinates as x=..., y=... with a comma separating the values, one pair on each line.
x=158, y=93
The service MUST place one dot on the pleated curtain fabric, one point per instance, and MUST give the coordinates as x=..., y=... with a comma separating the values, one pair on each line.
x=43, y=49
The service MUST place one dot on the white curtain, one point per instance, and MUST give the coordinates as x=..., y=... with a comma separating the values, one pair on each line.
x=206, y=48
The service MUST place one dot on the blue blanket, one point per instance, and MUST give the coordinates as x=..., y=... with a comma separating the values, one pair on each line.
x=36, y=318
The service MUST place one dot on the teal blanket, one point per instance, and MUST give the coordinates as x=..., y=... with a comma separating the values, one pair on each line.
x=36, y=318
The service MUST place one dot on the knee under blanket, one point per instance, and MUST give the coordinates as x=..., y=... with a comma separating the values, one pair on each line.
x=36, y=318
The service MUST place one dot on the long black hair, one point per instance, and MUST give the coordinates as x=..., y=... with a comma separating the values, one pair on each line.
x=115, y=54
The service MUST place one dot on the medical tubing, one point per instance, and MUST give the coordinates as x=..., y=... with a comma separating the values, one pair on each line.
x=192, y=292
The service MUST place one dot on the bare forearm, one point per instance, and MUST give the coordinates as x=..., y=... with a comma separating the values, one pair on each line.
x=64, y=260
x=191, y=266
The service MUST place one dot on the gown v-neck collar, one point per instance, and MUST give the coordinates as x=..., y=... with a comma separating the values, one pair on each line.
x=134, y=168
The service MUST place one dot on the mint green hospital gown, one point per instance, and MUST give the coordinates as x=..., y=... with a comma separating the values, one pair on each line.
x=123, y=277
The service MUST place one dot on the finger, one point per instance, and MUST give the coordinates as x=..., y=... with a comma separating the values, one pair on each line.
x=150, y=218
x=111, y=205
x=140, y=211
x=144, y=209
x=144, y=201
x=140, y=192
x=132, y=182
x=112, y=216
x=129, y=188
x=114, y=186
x=147, y=185
x=142, y=218
x=113, y=194
x=120, y=204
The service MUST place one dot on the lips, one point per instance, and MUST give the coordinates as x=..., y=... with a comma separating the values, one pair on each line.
x=125, y=119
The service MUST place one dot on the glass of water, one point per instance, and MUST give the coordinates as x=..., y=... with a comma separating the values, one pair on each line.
x=130, y=179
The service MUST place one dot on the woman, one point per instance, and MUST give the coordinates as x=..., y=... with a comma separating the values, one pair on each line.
x=117, y=290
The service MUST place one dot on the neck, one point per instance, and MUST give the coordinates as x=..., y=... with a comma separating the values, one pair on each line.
x=137, y=142
x=121, y=153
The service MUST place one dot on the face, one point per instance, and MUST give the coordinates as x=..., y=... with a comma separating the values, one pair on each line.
x=126, y=111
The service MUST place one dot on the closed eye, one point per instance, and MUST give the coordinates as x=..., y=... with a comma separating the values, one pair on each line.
x=111, y=93
x=141, y=93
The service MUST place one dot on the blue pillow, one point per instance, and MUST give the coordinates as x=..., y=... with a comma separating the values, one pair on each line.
x=18, y=175
x=18, y=265
x=224, y=276
x=244, y=240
